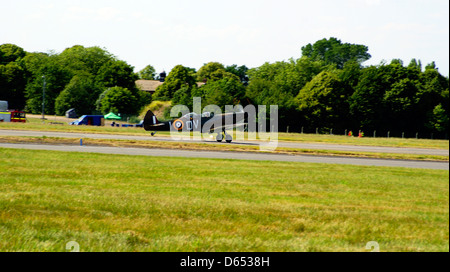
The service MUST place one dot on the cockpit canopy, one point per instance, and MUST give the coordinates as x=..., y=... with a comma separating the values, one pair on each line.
x=208, y=114
x=190, y=115
x=195, y=115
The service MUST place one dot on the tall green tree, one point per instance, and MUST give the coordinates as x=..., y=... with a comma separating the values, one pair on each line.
x=366, y=103
x=400, y=99
x=178, y=78
x=415, y=65
x=433, y=99
x=290, y=75
x=324, y=101
x=400, y=103
x=56, y=78
x=213, y=71
x=117, y=73
x=118, y=100
x=184, y=96
x=33, y=63
x=12, y=75
x=80, y=59
x=240, y=71
x=81, y=94
x=333, y=51
x=148, y=73
x=206, y=72
x=279, y=83
x=12, y=85
x=225, y=91
x=438, y=120
x=10, y=53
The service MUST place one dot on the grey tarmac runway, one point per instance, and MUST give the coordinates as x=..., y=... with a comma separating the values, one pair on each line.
x=313, y=146
x=233, y=155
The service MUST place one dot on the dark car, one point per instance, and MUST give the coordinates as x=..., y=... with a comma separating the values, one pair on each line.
x=71, y=114
x=141, y=124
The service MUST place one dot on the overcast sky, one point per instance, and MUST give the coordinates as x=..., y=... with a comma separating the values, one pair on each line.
x=165, y=33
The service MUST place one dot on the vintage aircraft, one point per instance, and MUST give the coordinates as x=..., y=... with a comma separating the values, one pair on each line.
x=204, y=123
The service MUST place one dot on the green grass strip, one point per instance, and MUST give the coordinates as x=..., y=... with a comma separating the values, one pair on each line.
x=139, y=203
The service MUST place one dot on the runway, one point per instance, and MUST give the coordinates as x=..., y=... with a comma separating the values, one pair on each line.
x=312, y=146
x=234, y=155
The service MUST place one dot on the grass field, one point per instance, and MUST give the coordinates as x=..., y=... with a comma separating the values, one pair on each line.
x=136, y=203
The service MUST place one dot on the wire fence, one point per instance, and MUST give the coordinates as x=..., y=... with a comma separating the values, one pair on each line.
x=368, y=133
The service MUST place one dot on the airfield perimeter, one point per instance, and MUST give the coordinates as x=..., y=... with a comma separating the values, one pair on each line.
x=232, y=155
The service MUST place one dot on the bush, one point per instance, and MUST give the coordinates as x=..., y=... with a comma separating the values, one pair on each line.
x=118, y=100
x=157, y=107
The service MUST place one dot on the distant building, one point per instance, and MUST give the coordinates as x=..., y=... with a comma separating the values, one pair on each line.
x=151, y=85
x=148, y=85
x=162, y=76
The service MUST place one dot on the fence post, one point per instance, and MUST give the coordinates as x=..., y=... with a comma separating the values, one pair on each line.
x=417, y=135
x=346, y=133
x=403, y=135
x=374, y=133
x=389, y=133
x=302, y=130
x=287, y=130
x=317, y=130
x=331, y=131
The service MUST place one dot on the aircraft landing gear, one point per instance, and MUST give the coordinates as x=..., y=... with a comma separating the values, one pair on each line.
x=220, y=137
x=228, y=138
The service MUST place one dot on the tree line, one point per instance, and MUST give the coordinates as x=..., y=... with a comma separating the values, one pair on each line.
x=91, y=80
x=327, y=87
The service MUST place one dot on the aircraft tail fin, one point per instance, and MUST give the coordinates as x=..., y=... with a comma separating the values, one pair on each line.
x=150, y=120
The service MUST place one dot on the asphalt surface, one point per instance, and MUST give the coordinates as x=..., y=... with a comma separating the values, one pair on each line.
x=233, y=155
x=313, y=146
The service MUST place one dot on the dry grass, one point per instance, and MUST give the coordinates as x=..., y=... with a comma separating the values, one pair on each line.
x=215, y=147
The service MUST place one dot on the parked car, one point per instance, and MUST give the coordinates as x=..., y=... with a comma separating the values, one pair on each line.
x=71, y=114
x=89, y=120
